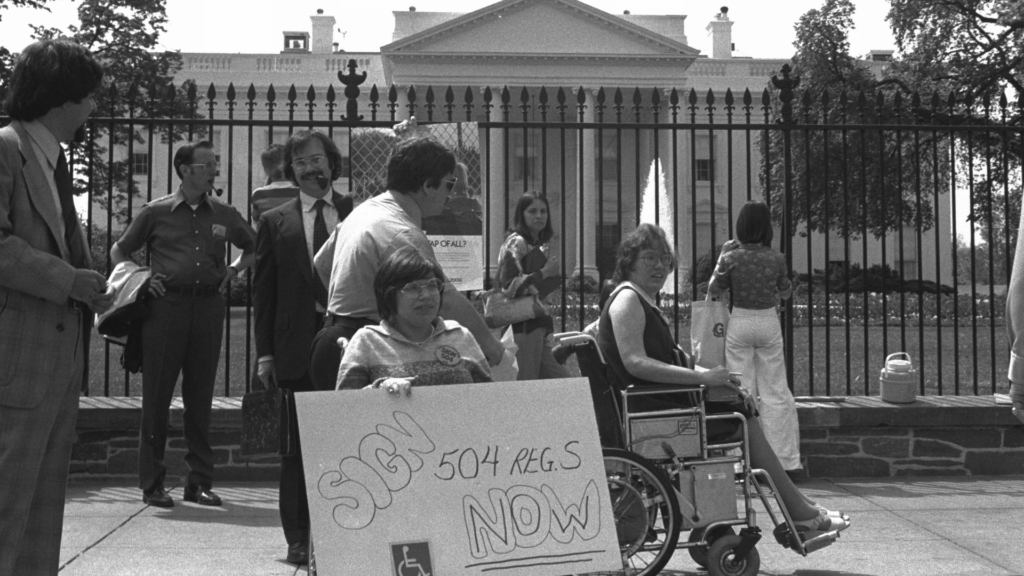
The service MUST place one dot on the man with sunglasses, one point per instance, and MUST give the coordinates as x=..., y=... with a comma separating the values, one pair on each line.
x=187, y=234
x=290, y=299
x=421, y=175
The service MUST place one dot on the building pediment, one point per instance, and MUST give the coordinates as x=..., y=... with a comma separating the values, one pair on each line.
x=555, y=28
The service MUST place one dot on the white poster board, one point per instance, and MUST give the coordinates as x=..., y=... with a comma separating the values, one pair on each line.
x=498, y=478
x=461, y=259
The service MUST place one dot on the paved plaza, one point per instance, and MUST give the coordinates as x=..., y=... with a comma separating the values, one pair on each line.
x=901, y=527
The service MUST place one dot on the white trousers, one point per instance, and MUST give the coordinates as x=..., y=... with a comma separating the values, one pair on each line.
x=753, y=347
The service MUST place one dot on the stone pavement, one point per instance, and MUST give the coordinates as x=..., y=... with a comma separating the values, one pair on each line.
x=901, y=527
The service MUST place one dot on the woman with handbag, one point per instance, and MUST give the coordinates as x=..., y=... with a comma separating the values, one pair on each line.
x=758, y=278
x=525, y=272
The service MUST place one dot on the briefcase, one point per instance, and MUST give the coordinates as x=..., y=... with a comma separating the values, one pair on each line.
x=269, y=425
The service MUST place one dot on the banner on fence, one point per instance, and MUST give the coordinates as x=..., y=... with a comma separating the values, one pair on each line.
x=457, y=480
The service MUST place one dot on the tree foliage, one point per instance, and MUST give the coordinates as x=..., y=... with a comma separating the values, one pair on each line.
x=124, y=36
x=857, y=181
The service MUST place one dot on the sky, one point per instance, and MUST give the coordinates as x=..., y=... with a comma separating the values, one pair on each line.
x=761, y=29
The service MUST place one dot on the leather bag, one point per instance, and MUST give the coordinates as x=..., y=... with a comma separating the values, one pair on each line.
x=500, y=310
x=269, y=424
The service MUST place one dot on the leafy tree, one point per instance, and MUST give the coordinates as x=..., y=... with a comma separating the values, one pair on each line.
x=124, y=36
x=6, y=57
x=849, y=181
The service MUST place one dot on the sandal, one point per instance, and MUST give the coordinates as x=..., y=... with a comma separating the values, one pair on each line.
x=833, y=513
x=820, y=524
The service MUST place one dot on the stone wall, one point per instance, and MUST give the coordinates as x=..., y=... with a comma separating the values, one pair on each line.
x=934, y=436
x=857, y=436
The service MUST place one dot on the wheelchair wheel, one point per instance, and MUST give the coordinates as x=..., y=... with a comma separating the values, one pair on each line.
x=722, y=560
x=700, y=553
x=645, y=509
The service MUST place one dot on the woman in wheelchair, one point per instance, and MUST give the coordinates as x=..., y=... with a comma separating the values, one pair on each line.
x=412, y=344
x=635, y=339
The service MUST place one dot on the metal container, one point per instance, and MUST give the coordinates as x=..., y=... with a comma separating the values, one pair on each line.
x=898, y=380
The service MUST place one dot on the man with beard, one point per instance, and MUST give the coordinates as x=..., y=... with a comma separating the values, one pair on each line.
x=48, y=292
x=186, y=233
x=290, y=299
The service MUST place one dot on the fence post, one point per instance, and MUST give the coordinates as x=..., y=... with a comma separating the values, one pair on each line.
x=786, y=85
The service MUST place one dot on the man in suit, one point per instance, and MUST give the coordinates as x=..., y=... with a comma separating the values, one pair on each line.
x=47, y=295
x=290, y=299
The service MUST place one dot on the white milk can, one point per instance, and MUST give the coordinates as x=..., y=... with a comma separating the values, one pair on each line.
x=898, y=381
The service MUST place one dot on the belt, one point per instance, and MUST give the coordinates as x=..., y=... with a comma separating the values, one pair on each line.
x=354, y=322
x=197, y=291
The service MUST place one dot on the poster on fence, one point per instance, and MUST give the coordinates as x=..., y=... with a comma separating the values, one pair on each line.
x=457, y=480
x=457, y=233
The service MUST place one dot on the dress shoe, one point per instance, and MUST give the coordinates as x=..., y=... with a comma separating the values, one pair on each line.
x=201, y=495
x=298, y=553
x=158, y=497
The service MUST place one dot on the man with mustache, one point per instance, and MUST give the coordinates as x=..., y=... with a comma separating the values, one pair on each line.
x=186, y=233
x=48, y=293
x=291, y=300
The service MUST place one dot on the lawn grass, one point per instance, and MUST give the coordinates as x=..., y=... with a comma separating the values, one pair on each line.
x=960, y=363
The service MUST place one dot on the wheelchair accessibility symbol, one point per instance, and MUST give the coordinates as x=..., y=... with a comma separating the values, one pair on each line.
x=411, y=559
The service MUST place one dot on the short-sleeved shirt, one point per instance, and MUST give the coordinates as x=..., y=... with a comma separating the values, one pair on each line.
x=755, y=274
x=188, y=244
x=362, y=242
x=271, y=196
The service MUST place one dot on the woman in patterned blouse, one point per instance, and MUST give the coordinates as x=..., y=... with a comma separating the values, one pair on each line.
x=758, y=278
x=412, y=344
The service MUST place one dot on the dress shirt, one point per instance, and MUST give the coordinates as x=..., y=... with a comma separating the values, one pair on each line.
x=47, y=148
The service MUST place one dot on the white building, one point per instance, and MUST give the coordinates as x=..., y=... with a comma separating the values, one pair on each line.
x=525, y=45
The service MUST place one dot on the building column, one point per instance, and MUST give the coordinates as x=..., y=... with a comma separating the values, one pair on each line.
x=493, y=193
x=586, y=212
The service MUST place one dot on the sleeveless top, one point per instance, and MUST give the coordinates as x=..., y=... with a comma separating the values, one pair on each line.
x=658, y=342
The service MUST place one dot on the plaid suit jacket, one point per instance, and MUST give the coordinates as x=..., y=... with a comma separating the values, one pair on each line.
x=37, y=342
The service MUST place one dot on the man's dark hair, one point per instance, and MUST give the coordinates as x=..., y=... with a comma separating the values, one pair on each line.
x=416, y=162
x=300, y=139
x=647, y=236
x=49, y=74
x=519, y=220
x=754, y=224
x=186, y=153
x=402, y=267
x=273, y=162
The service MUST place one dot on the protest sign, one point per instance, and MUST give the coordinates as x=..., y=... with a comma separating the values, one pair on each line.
x=456, y=480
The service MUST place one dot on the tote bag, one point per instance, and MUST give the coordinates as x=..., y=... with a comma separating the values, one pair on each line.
x=710, y=319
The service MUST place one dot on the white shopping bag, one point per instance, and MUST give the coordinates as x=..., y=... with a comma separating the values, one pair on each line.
x=710, y=319
x=508, y=369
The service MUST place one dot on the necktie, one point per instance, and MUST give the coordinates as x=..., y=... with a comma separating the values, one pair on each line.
x=65, y=191
x=319, y=238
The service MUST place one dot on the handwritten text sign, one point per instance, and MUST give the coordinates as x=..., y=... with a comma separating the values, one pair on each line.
x=500, y=478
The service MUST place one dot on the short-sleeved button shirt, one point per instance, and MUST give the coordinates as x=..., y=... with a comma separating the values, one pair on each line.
x=188, y=245
x=754, y=274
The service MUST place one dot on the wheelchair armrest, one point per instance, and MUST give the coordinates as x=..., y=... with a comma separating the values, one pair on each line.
x=663, y=388
x=572, y=339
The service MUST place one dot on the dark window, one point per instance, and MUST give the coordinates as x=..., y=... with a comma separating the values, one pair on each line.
x=140, y=163
x=704, y=170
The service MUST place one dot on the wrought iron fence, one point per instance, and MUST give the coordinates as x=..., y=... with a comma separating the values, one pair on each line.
x=869, y=192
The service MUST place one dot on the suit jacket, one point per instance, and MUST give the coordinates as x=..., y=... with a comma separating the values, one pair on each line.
x=283, y=288
x=36, y=274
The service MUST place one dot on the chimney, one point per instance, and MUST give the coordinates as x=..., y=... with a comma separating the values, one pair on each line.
x=721, y=34
x=323, y=33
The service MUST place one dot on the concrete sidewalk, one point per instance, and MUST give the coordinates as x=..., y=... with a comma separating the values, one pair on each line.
x=901, y=527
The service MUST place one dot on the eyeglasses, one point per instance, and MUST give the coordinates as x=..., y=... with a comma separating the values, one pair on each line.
x=652, y=260
x=310, y=162
x=211, y=165
x=432, y=286
x=451, y=183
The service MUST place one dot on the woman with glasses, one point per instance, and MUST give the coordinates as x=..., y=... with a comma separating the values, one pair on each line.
x=637, y=344
x=412, y=343
x=524, y=266
x=757, y=277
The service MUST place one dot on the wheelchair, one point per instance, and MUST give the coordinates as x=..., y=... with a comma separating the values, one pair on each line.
x=665, y=475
